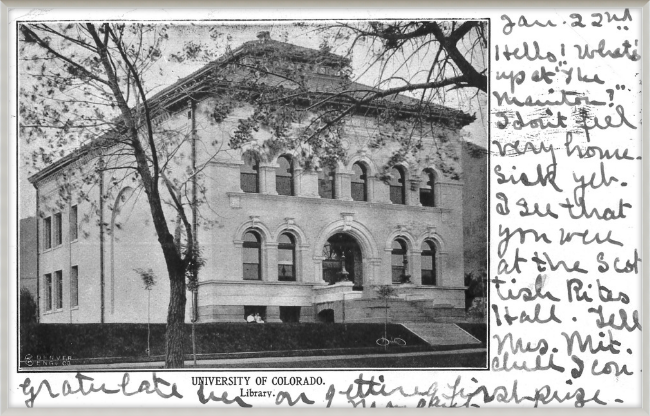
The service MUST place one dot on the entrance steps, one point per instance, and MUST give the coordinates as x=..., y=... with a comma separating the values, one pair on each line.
x=441, y=333
x=399, y=311
x=433, y=323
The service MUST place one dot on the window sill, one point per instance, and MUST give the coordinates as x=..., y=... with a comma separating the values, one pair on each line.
x=237, y=197
x=52, y=312
x=258, y=282
x=52, y=248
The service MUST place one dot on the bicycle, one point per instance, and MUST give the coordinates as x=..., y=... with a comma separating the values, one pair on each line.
x=384, y=342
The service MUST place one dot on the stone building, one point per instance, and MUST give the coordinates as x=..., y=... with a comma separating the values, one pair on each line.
x=291, y=242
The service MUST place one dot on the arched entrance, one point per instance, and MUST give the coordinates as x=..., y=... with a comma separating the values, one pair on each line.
x=343, y=260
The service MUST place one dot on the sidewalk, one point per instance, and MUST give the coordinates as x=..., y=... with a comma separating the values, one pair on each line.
x=264, y=362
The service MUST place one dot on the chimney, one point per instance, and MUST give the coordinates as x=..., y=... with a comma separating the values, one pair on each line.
x=263, y=36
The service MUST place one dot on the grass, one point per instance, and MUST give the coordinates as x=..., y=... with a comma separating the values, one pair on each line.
x=464, y=360
x=83, y=341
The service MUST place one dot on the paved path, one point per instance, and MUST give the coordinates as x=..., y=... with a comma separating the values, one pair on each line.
x=245, y=362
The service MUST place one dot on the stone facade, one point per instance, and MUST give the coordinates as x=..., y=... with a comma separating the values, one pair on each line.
x=88, y=270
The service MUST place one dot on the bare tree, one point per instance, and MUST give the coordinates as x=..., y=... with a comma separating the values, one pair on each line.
x=88, y=81
x=418, y=70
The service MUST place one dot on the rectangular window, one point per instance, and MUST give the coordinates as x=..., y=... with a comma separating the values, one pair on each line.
x=358, y=191
x=426, y=197
x=326, y=183
x=290, y=314
x=283, y=185
x=253, y=310
x=286, y=270
x=428, y=278
x=397, y=195
x=73, y=223
x=251, y=263
x=48, y=292
x=58, y=230
x=249, y=182
x=326, y=188
x=58, y=295
x=398, y=273
x=74, y=286
x=47, y=233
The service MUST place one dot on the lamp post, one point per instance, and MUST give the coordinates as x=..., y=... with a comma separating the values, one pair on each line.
x=344, y=273
x=148, y=320
x=344, y=278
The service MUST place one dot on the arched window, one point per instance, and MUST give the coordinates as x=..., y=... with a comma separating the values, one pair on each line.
x=399, y=262
x=359, y=183
x=252, y=256
x=428, y=263
x=248, y=177
x=397, y=186
x=427, y=196
x=284, y=176
x=286, y=258
x=326, y=183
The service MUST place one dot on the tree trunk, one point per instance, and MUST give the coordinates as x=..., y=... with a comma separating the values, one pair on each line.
x=174, y=357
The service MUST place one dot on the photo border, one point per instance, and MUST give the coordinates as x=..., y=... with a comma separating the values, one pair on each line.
x=7, y=227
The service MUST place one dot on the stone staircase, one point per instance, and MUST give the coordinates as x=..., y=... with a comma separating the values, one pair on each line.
x=428, y=321
x=399, y=311
x=441, y=333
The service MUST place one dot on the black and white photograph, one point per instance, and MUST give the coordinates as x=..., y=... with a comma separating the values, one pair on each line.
x=219, y=205
x=252, y=194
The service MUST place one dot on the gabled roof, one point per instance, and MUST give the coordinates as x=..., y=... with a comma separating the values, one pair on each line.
x=319, y=84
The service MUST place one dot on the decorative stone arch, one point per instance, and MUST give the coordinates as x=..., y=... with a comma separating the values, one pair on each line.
x=437, y=180
x=412, y=250
x=369, y=253
x=430, y=234
x=436, y=172
x=371, y=174
x=253, y=224
x=340, y=166
x=405, y=235
x=290, y=226
x=362, y=158
x=441, y=253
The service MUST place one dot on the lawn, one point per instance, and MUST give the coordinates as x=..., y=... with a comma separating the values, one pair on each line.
x=456, y=360
x=83, y=341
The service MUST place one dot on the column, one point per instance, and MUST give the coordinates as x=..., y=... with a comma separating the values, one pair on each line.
x=343, y=189
x=271, y=265
x=413, y=192
x=267, y=179
x=308, y=183
x=415, y=260
x=273, y=314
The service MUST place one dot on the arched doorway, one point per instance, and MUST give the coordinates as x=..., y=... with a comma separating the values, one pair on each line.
x=343, y=260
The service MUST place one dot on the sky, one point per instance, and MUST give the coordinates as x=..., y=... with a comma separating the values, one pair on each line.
x=216, y=38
